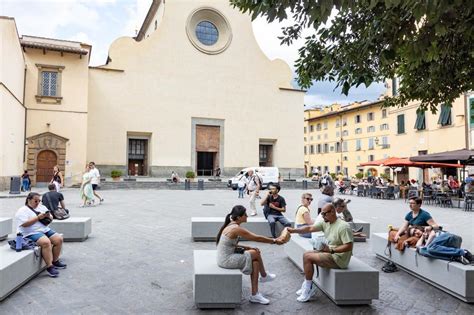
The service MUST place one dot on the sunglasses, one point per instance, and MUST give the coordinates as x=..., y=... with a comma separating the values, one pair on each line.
x=310, y=199
x=323, y=214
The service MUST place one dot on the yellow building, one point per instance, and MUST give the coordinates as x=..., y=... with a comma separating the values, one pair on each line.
x=192, y=91
x=340, y=138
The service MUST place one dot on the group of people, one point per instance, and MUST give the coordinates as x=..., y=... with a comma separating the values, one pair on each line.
x=90, y=185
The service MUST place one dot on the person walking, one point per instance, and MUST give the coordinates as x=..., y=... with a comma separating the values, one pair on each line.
x=95, y=180
x=86, y=191
x=58, y=178
x=254, y=185
x=241, y=186
x=25, y=181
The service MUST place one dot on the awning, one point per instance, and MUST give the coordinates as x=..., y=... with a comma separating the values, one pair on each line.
x=464, y=156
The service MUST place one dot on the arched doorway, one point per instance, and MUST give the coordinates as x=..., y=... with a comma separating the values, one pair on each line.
x=45, y=161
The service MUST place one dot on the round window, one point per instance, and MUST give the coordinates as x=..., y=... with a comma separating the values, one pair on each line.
x=207, y=33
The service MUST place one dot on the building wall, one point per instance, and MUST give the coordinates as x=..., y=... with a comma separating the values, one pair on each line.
x=12, y=112
x=67, y=119
x=166, y=83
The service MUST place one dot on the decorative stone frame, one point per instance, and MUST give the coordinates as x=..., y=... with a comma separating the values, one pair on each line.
x=41, y=142
x=219, y=21
x=206, y=122
x=40, y=98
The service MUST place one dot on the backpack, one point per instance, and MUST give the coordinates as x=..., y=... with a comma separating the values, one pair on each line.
x=59, y=213
x=27, y=244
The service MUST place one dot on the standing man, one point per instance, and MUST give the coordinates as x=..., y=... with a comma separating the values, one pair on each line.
x=273, y=208
x=253, y=187
x=95, y=180
x=336, y=254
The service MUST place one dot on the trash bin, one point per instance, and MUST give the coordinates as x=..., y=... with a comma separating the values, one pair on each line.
x=305, y=184
x=200, y=184
x=15, y=185
x=187, y=184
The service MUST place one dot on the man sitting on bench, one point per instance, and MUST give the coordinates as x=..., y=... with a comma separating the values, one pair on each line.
x=29, y=224
x=336, y=254
x=344, y=214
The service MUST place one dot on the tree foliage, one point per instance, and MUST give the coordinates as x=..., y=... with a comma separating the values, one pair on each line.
x=429, y=44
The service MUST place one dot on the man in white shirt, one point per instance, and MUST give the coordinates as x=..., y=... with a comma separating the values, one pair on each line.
x=95, y=180
x=254, y=185
x=28, y=223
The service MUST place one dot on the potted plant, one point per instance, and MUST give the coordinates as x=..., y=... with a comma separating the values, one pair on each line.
x=116, y=174
x=359, y=176
x=190, y=175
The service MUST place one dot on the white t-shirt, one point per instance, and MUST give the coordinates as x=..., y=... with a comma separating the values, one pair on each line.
x=95, y=176
x=242, y=182
x=24, y=214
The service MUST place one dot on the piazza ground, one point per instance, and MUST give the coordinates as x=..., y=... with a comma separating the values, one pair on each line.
x=138, y=259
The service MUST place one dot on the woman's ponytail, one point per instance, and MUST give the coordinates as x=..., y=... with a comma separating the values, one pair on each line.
x=226, y=223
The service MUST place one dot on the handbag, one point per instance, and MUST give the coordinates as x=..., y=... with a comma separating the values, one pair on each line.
x=59, y=213
x=45, y=221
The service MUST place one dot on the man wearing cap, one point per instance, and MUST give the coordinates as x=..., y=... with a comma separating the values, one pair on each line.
x=469, y=187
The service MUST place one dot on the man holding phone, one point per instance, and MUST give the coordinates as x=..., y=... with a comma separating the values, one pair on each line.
x=31, y=224
x=274, y=206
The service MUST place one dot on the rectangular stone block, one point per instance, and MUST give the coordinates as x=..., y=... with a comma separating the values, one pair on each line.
x=5, y=228
x=17, y=269
x=356, y=285
x=206, y=228
x=456, y=279
x=74, y=229
x=213, y=286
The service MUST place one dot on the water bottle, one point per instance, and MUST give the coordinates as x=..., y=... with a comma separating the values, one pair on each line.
x=19, y=242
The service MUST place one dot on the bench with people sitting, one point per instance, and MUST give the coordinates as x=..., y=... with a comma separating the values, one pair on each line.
x=345, y=279
x=5, y=227
x=423, y=249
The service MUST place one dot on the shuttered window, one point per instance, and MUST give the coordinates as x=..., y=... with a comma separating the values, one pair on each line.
x=401, y=124
x=420, y=123
x=445, y=115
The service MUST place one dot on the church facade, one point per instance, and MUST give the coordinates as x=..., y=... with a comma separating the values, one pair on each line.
x=192, y=91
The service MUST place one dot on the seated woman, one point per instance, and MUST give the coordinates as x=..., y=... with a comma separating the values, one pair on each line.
x=303, y=213
x=416, y=216
x=231, y=255
x=453, y=183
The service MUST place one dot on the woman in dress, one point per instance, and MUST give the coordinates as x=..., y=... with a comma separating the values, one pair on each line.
x=231, y=255
x=58, y=179
x=87, y=194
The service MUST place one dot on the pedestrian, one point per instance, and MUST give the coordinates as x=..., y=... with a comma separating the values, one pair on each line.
x=274, y=206
x=25, y=181
x=254, y=185
x=86, y=191
x=58, y=178
x=95, y=180
x=241, y=186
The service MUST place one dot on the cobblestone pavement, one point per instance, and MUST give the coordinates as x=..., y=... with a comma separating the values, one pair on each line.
x=139, y=260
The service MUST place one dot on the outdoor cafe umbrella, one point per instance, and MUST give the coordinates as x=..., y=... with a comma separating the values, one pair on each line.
x=464, y=157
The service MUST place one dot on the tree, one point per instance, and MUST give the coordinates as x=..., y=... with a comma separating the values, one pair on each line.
x=428, y=44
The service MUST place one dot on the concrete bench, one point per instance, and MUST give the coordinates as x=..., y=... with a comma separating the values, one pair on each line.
x=213, y=286
x=5, y=228
x=356, y=285
x=73, y=229
x=206, y=228
x=17, y=269
x=456, y=279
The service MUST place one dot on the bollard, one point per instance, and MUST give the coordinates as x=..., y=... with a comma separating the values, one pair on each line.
x=305, y=184
x=200, y=184
x=187, y=184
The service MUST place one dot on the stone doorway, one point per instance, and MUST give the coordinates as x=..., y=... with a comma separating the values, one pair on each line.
x=45, y=150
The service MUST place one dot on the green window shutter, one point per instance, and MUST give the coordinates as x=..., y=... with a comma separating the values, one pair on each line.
x=420, y=121
x=445, y=116
x=401, y=124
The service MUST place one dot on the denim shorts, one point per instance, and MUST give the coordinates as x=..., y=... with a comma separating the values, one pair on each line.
x=35, y=237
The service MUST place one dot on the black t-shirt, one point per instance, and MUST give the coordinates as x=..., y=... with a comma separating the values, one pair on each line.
x=55, y=198
x=278, y=202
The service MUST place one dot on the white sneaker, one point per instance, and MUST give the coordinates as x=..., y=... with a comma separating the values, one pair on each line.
x=259, y=298
x=253, y=214
x=268, y=278
x=307, y=294
x=300, y=291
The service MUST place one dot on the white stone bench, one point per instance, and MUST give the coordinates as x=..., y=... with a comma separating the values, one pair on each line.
x=213, y=286
x=456, y=279
x=74, y=229
x=206, y=228
x=356, y=285
x=17, y=268
x=5, y=228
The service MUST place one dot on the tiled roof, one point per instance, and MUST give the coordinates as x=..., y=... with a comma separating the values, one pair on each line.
x=70, y=47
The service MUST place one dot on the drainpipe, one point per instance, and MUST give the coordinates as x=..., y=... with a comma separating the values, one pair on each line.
x=26, y=111
x=467, y=120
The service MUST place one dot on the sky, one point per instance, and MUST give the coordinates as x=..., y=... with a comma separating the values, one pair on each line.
x=100, y=22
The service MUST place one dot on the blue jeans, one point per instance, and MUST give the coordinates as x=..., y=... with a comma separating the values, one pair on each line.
x=440, y=248
x=306, y=235
x=25, y=185
x=241, y=192
x=273, y=219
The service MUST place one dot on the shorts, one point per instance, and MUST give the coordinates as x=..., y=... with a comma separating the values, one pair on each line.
x=35, y=237
x=94, y=186
x=326, y=260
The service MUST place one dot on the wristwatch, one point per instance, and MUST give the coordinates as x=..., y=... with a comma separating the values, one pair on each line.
x=331, y=250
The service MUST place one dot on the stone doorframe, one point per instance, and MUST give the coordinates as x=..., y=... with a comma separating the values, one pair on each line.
x=41, y=142
x=207, y=122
